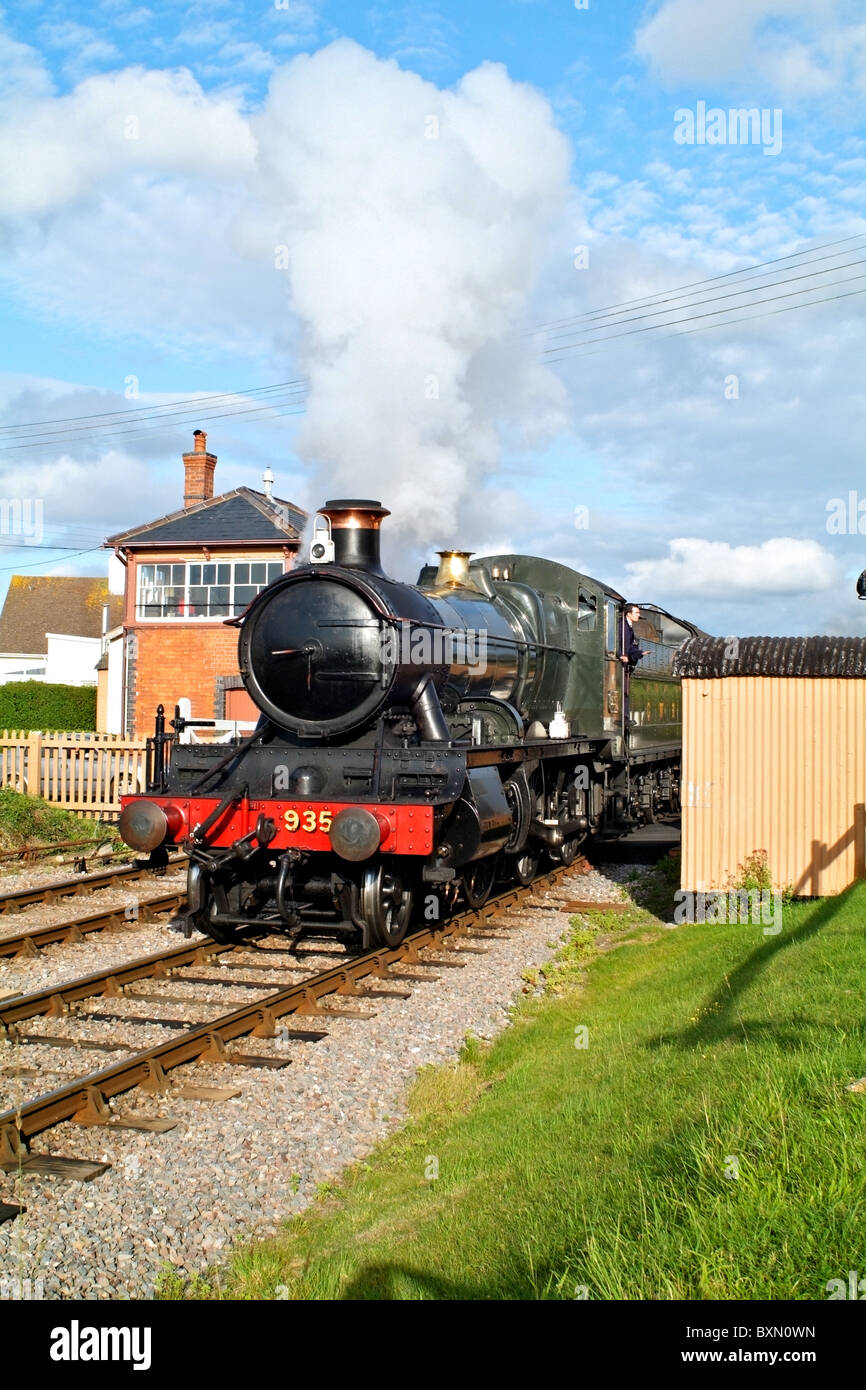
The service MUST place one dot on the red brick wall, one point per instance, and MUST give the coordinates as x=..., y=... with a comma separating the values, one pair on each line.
x=240, y=706
x=179, y=659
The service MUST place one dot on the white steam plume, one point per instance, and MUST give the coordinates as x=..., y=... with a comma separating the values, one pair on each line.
x=415, y=221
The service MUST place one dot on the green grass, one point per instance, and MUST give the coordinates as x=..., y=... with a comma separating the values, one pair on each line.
x=28, y=820
x=607, y=1171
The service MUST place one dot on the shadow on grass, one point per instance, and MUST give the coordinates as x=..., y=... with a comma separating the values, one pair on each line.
x=718, y=1019
x=398, y=1282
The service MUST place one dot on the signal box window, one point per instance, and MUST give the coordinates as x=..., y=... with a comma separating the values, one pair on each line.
x=218, y=589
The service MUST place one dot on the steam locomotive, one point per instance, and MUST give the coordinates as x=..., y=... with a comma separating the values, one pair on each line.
x=414, y=740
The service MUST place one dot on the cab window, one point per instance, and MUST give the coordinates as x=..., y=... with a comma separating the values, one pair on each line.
x=586, y=611
x=611, y=625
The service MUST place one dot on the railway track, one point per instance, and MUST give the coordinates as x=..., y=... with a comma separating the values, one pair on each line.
x=30, y=943
x=58, y=889
x=26, y=854
x=87, y=1099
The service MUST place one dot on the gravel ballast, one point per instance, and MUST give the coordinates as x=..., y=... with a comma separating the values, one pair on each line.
x=236, y=1168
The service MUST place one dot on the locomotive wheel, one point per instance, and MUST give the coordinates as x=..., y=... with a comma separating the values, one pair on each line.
x=567, y=851
x=201, y=921
x=519, y=799
x=525, y=868
x=478, y=881
x=386, y=906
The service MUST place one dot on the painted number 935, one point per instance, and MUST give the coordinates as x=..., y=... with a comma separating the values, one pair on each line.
x=307, y=820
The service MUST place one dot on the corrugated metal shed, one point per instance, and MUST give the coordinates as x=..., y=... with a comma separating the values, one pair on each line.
x=714, y=657
x=774, y=760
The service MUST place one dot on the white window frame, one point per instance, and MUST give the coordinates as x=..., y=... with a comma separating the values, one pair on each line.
x=188, y=563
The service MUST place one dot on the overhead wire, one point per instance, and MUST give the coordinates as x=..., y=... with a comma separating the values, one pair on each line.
x=146, y=429
x=206, y=398
x=91, y=551
x=679, y=291
x=287, y=398
x=654, y=310
x=562, y=348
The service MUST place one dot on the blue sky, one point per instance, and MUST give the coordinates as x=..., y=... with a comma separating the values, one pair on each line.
x=141, y=259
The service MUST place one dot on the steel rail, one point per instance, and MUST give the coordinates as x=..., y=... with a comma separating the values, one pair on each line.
x=71, y=887
x=56, y=1000
x=29, y=943
x=86, y=1100
x=26, y=853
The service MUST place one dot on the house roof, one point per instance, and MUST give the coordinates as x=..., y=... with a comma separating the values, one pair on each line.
x=38, y=604
x=234, y=517
x=705, y=658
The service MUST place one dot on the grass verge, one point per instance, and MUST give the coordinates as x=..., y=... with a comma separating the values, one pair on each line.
x=695, y=1141
x=28, y=820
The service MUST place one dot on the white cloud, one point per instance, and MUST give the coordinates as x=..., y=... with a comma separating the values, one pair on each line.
x=303, y=14
x=66, y=486
x=801, y=48
x=248, y=57
x=206, y=33
x=56, y=150
x=25, y=77
x=702, y=568
x=69, y=34
x=131, y=19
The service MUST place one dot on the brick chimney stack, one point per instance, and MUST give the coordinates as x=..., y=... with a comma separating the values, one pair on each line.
x=198, y=469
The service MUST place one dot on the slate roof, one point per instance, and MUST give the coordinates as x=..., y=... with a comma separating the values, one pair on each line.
x=232, y=517
x=705, y=657
x=37, y=604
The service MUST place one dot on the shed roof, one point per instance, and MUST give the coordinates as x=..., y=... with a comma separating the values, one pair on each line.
x=68, y=604
x=716, y=657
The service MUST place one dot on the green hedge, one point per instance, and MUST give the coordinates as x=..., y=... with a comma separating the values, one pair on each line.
x=26, y=705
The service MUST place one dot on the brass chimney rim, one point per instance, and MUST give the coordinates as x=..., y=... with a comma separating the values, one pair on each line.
x=354, y=513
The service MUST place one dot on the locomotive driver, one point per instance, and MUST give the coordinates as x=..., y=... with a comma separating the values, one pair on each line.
x=631, y=654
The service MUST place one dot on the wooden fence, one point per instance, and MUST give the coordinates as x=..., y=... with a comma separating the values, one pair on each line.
x=85, y=773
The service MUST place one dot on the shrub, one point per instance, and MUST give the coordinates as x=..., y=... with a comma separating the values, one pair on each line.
x=27, y=820
x=27, y=705
x=753, y=874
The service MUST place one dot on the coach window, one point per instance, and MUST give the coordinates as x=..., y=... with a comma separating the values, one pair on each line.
x=586, y=611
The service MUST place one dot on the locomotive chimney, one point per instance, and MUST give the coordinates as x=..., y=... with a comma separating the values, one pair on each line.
x=355, y=526
x=198, y=470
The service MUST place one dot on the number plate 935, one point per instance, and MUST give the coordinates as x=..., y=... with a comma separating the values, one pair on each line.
x=309, y=820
